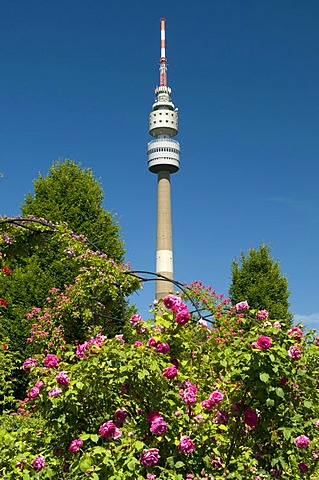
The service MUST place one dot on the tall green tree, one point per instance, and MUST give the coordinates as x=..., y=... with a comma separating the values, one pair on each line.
x=257, y=278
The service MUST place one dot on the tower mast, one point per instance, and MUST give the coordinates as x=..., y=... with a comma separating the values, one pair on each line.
x=163, y=159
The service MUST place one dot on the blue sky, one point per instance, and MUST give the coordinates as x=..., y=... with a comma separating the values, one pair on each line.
x=77, y=81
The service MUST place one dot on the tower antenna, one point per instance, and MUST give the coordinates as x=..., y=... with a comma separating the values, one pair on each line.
x=163, y=60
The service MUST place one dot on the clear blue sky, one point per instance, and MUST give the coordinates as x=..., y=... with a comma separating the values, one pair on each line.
x=77, y=81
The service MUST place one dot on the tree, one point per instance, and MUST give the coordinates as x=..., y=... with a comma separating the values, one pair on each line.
x=257, y=279
x=70, y=194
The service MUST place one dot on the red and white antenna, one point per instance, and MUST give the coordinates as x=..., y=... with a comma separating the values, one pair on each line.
x=163, y=67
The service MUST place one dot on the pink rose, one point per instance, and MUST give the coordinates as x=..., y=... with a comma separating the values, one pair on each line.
x=75, y=445
x=138, y=344
x=51, y=361
x=38, y=463
x=33, y=392
x=262, y=314
x=302, y=441
x=263, y=343
x=150, y=476
x=150, y=457
x=151, y=342
x=109, y=430
x=158, y=426
x=295, y=352
x=136, y=319
x=296, y=333
x=242, y=306
x=207, y=404
x=222, y=417
x=186, y=445
x=251, y=418
x=303, y=467
x=182, y=317
x=216, y=397
x=188, y=396
x=55, y=392
x=277, y=325
x=162, y=347
x=62, y=378
x=153, y=416
x=28, y=363
x=170, y=372
x=172, y=302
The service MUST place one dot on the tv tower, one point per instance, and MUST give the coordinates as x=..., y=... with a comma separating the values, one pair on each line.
x=163, y=159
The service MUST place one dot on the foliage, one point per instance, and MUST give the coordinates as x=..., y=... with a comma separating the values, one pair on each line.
x=238, y=400
x=94, y=285
x=258, y=279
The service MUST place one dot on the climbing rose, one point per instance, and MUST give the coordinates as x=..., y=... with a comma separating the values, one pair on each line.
x=138, y=344
x=38, y=463
x=75, y=445
x=158, y=426
x=135, y=318
x=186, y=445
x=182, y=317
x=28, y=363
x=251, y=418
x=62, y=378
x=153, y=416
x=172, y=302
x=303, y=467
x=162, y=347
x=222, y=417
x=55, y=392
x=262, y=314
x=189, y=396
x=242, y=306
x=296, y=333
x=33, y=392
x=150, y=476
x=263, y=343
x=109, y=430
x=149, y=457
x=120, y=415
x=302, y=441
x=151, y=342
x=207, y=404
x=295, y=352
x=170, y=372
x=3, y=302
x=216, y=397
x=51, y=361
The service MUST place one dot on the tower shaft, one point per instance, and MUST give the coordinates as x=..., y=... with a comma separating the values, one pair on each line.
x=164, y=246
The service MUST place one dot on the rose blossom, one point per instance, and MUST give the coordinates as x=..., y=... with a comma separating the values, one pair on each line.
x=162, y=347
x=149, y=457
x=38, y=463
x=138, y=344
x=158, y=426
x=242, y=306
x=51, y=361
x=62, y=378
x=303, y=467
x=150, y=476
x=33, y=392
x=186, y=445
x=109, y=430
x=28, y=363
x=207, y=404
x=296, y=333
x=188, y=396
x=302, y=441
x=120, y=415
x=216, y=397
x=153, y=416
x=172, y=302
x=222, y=417
x=170, y=372
x=75, y=445
x=182, y=317
x=262, y=314
x=263, y=343
x=295, y=352
x=151, y=342
x=135, y=318
x=251, y=418
x=55, y=392
x=277, y=325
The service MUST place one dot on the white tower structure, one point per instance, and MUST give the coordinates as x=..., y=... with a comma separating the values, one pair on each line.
x=163, y=159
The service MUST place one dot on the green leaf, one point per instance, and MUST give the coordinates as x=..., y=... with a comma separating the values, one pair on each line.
x=132, y=464
x=85, y=464
x=94, y=437
x=264, y=377
x=179, y=464
x=280, y=392
x=270, y=402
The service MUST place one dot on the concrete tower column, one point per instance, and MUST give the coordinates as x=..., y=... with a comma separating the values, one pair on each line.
x=164, y=247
